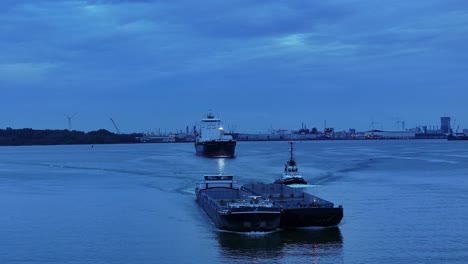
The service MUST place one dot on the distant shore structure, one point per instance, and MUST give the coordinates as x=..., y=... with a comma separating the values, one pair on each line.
x=445, y=124
x=27, y=136
x=441, y=131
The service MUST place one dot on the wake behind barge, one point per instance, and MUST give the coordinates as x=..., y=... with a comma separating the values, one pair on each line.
x=235, y=209
x=300, y=209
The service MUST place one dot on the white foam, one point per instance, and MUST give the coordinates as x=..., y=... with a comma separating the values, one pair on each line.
x=303, y=185
x=252, y=233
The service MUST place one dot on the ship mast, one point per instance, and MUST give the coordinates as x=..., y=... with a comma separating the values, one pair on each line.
x=291, y=150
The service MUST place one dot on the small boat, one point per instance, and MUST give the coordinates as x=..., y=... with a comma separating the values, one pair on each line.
x=291, y=174
x=232, y=208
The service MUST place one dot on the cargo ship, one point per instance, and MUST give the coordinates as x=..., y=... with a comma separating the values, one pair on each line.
x=211, y=141
x=232, y=208
x=291, y=175
x=300, y=209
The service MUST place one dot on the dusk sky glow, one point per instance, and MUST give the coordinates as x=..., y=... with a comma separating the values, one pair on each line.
x=153, y=65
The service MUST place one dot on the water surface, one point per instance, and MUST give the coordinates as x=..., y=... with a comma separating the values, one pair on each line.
x=404, y=201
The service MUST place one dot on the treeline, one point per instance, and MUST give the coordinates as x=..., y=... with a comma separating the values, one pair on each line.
x=28, y=136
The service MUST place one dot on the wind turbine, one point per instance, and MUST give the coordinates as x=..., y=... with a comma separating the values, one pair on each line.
x=69, y=120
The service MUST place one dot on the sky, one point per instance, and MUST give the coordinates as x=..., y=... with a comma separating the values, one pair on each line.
x=261, y=65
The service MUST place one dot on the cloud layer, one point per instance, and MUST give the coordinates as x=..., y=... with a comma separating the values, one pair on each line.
x=153, y=64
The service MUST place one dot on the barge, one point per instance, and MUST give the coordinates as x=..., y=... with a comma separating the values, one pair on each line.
x=232, y=208
x=300, y=209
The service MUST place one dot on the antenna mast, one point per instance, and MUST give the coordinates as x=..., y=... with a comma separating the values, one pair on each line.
x=291, y=150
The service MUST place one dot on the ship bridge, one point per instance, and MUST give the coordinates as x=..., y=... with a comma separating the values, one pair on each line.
x=211, y=129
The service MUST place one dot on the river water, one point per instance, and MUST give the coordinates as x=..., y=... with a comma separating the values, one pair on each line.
x=404, y=202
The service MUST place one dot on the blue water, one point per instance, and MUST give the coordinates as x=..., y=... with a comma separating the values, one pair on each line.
x=404, y=201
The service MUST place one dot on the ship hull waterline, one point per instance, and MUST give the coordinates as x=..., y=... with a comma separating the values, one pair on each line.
x=216, y=149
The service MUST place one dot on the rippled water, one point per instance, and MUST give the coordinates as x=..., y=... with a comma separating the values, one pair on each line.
x=404, y=202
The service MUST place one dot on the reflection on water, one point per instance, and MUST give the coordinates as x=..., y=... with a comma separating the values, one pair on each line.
x=221, y=165
x=318, y=245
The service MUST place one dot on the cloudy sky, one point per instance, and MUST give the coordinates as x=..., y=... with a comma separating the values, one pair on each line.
x=153, y=65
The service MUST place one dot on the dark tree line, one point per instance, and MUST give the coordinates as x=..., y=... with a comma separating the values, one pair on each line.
x=28, y=136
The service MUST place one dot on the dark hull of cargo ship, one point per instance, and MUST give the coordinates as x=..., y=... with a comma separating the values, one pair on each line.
x=300, y=209
x=216, y=148
x=240, y=219
x=453, y=137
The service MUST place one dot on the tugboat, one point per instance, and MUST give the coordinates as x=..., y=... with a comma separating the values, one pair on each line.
x=291, y=174
x=232, y=208
x=211, y=141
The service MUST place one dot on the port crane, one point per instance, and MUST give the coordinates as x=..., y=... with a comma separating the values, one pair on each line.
x=116, y=128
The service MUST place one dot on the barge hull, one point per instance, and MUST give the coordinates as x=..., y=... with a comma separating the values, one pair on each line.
x=243, y=219
x=258, y=219
x=304, y=217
